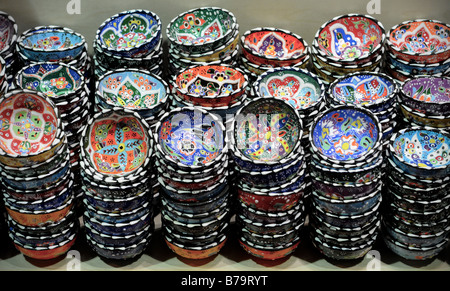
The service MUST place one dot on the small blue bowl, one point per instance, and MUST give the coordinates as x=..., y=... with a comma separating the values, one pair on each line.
x=117, y=205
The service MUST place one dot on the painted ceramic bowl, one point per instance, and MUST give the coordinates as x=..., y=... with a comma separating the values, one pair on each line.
x=51, y=43
x=132, y=33
x=269, y=252
x=196, y=252
x=39, y=218
x=414, y=253
x=301, y=88
x=345, y=134
x=415, y=117
x=272, y=240
x=31, y=128
x=132, y=89
x=419, y=217
x=202, y=29
x=415, y=69
x=266, y=131
x=194, y=184
x=56, y=80
x=119, y=252
x=273, y=46
x=413, y=227
x=117, y=144
x=190, y=138
x=211, y=85
x=257, y=69
x=8, y=33
x=187, y=218
x=416, y=193
x=421, y=151
x=120, y=229
x=197, y=241
x=428, y=95
x=367, y=89
x=116, y=205
x=423, y=41
x=350, y=39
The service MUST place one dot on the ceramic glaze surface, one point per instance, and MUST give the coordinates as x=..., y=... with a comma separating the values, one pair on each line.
x=53, y=80
x=132, y=90
x=363, y=89
x=274, y=44
x=300, y=89
x=191, y=137
x=423, y=148
x=28, y=124
x=345, y=134
x=117, y=144
x=350, y=37
x=428, y=89
x=421, y=37
x=129, y=30
x=210, y=81
x=201, y=26
x=6, y=31
x=267, y=130
x=52, y=40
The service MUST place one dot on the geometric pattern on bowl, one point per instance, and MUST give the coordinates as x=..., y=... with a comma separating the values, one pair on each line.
x=267, y=130
x=265, y=46
x=52, y=79
x=210, y=81
x=191, y=137
x=299, y=87
x=423, y=41
x=197, y=27
x=29, y=123
x=132, y=89
x=8, y=33
x=345, y=133
x=116, y=143
x=364, y=89
x=423, y=148
x=131, y=33
x=350, y=38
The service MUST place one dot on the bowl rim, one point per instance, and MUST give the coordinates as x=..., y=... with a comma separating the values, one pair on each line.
x=135, y=71
x=391, y=46
x=274, y=30
x=357, y=60
x=416, y=128
x=59, y=136
x=376, y=145
x=234, y=26
x=98, y=41
x=13, y=22
x=232, y=134
x=83, y=84
x=48, y=29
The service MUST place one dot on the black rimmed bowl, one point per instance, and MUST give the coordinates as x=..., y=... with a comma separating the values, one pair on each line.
x=117, y=205
x=9, y=32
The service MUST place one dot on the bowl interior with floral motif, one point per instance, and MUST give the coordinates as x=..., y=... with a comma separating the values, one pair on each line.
x=29, y=123
x=364, y=89
x=350, y=37
x=132, y=89
x=345, y=134
x=210, y=81
x=53, y=79
x=267, y=130
x=300, y=88
x=130, y=31
x=424, y=41
x=116, y=142
x=191, y=137
x=197, y=27
x=422, y=148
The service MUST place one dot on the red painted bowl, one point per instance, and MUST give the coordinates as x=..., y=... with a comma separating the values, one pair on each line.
x=47, y=252
x=269, y=253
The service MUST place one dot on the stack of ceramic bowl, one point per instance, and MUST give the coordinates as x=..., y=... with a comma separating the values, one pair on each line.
x=192, y=163
x=270, y=177
x=137, y=90
x=418, y=47
x=347, y=44
x=202, y=36
x=416, y=215
x=425, y=101
x=8, y=37
x=377, y=92
x=265, y=48
x=35, y=175
x=115, y=159
x=130, y=39
x=346, y=171
x=220, y=89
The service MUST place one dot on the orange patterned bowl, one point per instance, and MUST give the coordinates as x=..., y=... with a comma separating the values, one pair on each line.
x=196, y=253
x=268, y=252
